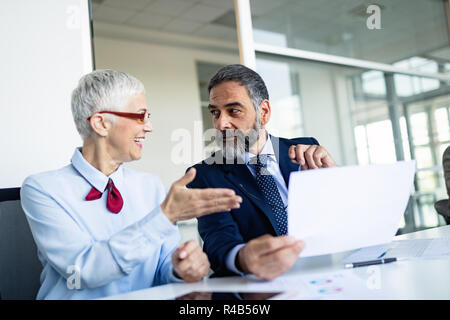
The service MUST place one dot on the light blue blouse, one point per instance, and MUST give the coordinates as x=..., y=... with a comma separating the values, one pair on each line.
x=89, y=252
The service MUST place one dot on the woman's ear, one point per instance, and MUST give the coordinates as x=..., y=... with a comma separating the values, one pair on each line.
x=100, y=124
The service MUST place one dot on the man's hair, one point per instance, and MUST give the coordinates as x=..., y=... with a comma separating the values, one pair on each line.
x=102, y=90
x=251, y=80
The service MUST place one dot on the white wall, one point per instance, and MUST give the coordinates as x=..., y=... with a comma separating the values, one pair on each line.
x=169, y=75
x=45, y=48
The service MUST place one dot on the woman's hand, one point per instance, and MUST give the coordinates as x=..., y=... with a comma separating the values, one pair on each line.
x=182, y=203
x=190, y=262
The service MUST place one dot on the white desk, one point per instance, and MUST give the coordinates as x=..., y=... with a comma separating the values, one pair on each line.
x=413, y=279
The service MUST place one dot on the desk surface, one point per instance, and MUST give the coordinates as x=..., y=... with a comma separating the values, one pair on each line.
x=413, y=279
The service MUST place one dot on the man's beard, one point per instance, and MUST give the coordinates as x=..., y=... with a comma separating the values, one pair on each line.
x=234, y=149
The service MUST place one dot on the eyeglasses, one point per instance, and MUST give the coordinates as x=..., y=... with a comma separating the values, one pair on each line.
x=141, y=118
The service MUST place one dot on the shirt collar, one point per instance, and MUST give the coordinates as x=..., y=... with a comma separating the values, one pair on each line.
x=95, y=177
x=267, y=149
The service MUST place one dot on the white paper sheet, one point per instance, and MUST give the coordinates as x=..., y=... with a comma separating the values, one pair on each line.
x=406, y=249
x=345, y=208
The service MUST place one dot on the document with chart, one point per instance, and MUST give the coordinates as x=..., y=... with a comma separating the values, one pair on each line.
x=337, y=285
x=346, y=208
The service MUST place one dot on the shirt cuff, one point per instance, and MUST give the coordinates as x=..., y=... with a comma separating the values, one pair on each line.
x=173, y=278
x=231, y=258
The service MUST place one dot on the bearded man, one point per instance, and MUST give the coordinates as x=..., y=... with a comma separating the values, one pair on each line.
x=251, y=239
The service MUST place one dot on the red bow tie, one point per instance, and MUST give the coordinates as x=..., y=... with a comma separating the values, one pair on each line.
x=114, y=202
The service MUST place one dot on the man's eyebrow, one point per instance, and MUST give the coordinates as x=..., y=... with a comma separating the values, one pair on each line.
x=234, y=104
x=228, y=105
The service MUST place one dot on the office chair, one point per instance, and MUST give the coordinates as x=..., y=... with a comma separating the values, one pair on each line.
x=20, y=267
x=443, y=206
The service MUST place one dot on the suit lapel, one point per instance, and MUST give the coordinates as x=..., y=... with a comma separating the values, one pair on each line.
x=281, y=149
x=240, y=176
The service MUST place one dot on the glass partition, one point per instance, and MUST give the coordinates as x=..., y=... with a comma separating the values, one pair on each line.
x=384, y=31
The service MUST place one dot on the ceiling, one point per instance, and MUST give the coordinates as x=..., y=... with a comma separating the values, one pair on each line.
x=202, y=18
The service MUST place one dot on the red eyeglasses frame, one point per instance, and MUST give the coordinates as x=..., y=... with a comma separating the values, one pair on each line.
x=140, y=117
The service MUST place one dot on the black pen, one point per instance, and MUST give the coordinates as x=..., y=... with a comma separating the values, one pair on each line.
x=370, y=263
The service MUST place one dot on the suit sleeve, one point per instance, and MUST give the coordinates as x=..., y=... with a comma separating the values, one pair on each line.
x=310, y=141
x=314, y=141
x=219, y=231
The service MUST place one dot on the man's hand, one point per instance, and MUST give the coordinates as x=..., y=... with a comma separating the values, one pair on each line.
x=268, y=257
x=311, y=156
x=182, y=203
x=189, y=262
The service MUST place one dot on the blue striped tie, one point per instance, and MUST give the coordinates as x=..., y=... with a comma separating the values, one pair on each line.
x=268, y=187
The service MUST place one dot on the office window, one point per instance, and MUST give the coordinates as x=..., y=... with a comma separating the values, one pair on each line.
x=424, y=131
x=407, y=85
x=373, y=83
x=441, y=116
x=375, y=143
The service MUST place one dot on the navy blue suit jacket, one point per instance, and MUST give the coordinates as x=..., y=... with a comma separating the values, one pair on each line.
x=222, y=231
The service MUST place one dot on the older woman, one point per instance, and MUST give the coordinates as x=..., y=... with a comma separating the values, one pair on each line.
x=103, y=229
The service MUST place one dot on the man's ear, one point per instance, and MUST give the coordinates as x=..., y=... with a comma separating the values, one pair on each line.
x=264, y=112
x=100, y=124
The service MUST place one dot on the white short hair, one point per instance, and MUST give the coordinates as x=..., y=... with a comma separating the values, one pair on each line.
x=102, y=90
